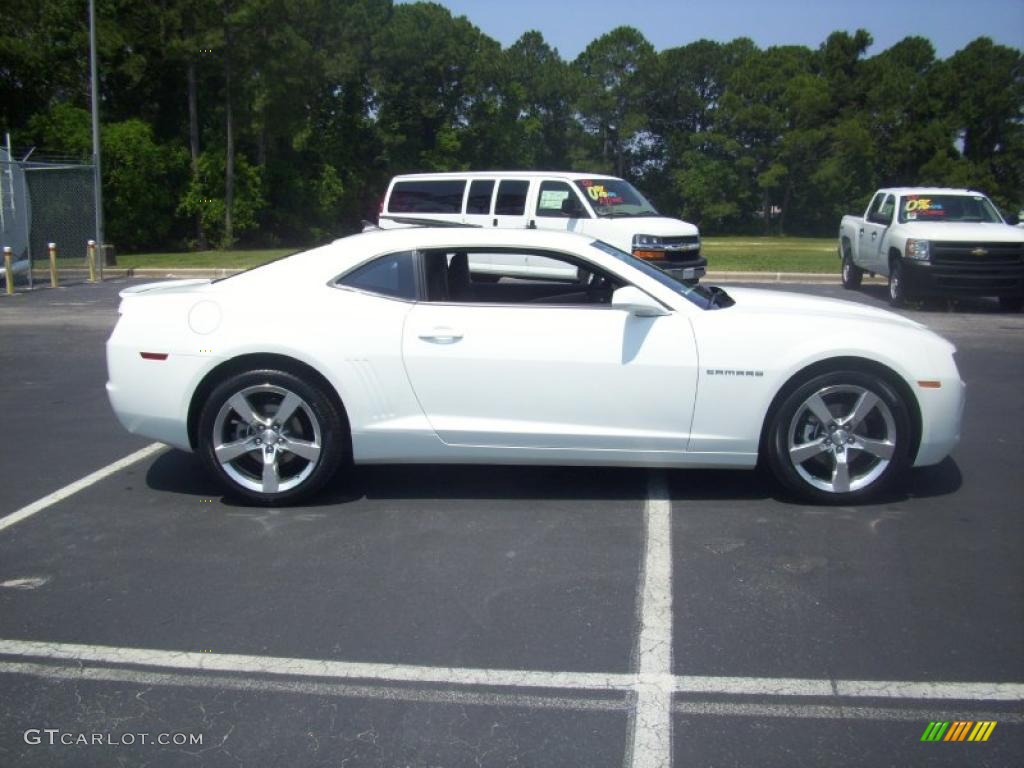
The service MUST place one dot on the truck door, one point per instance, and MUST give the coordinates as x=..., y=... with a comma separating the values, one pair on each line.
x=871, y=252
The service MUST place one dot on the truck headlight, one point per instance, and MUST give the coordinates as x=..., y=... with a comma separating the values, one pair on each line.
x=646, y=240
x=918, y=250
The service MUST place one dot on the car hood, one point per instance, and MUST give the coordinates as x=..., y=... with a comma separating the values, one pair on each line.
x=965, y=232
x=660, y=226
x=758, y=301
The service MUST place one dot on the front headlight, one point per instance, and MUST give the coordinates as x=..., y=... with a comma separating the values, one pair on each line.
x=646, y=240
x=918, y=250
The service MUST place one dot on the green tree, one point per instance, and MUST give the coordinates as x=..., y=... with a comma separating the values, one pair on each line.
x=426, y=77
x=611, y=97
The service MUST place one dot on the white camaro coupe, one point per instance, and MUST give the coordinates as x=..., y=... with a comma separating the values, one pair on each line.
x=382, y=348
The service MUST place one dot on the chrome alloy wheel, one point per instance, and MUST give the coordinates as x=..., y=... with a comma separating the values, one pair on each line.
x=267, y=438
x=842, y=438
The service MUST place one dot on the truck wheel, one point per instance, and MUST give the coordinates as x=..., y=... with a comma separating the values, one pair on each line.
x=897, y=288
x=852, y=274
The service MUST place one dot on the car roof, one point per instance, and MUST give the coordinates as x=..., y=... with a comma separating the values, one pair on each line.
x=929, y=191
x=571, y=175
x=379, y=240
x=327, y=261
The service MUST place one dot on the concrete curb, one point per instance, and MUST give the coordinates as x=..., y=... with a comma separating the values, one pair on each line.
x=826, y=278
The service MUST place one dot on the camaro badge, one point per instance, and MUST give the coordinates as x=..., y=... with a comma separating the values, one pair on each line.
x=720, y=372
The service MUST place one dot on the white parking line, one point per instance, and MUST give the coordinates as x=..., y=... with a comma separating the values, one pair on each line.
x=73, y=488
x=112, y=657
x=651, y=742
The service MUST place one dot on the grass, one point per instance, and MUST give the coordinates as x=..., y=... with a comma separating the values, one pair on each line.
x=733, y=254
x=199, y=259
x=771, y=254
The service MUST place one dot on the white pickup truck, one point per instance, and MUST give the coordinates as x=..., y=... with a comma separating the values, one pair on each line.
x=932, y=241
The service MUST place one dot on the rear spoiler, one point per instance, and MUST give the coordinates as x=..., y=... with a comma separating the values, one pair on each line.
x=418, y=222
x=164, y=286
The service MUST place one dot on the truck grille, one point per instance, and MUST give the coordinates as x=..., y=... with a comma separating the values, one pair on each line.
x=671, y=245
x=973, y=254
x=978, y=267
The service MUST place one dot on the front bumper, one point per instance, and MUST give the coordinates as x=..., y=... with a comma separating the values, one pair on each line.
x=963, y=278
x=691, y=269
x=942, y=412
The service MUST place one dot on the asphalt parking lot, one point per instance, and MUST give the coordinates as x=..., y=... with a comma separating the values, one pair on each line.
x=496, y=616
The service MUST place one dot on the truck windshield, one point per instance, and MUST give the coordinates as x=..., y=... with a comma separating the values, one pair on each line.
x=970, y=208
x=615, y=197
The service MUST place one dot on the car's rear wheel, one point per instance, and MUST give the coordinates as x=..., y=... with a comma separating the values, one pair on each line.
x=852, y=274
x=840, y=438
x=270, y=437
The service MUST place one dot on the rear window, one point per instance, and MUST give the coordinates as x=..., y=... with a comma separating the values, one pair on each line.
x=440, y=196
x=393, y=275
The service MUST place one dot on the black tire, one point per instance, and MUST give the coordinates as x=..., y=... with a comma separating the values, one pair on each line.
x=1011, y=303
x=804, y=454
x=897, y=284
x=852, y=274
x=304, y=451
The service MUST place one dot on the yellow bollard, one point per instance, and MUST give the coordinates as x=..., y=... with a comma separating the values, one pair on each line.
x=90, y=258
x=9, y=269
x=53, y=265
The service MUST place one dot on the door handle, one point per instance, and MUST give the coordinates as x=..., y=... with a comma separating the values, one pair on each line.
x=532, y=224
x=862, y=231
x=441, y=335
x=874, y=235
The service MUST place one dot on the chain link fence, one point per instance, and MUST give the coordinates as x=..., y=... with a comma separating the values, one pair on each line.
x=45, y=202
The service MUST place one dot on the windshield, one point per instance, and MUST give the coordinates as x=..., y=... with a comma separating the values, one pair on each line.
x=971, y=208
x=615, y=197
x=705, y=298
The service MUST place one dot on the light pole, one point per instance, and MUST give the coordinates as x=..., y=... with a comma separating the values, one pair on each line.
x=97, y=179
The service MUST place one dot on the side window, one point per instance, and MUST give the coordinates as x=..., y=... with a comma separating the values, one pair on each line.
x=511, y=198
x=887, y=207
x=480, y=196
x=440, y=196
x=392, y=275
x=553, y=196
x=511, y=276
x=882, y=205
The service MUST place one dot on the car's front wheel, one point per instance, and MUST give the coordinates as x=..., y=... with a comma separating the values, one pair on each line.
x=270, y=437
x=840, y=438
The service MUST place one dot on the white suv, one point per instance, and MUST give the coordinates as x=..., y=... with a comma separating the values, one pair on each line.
x=603, y=207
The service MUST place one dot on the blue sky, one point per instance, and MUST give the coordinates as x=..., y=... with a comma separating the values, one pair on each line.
x=570, y=25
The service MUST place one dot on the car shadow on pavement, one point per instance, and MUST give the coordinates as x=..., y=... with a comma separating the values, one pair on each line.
x=182, y=473
x=938, y=304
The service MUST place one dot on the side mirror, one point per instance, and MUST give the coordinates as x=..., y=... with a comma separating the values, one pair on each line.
x=571, y=207
x=637, y=303
x=1013, y=219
